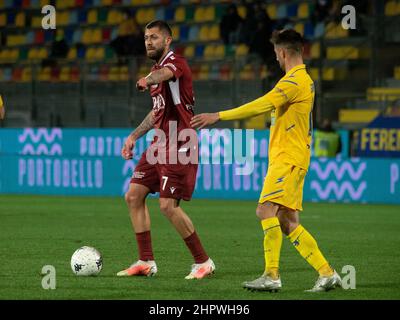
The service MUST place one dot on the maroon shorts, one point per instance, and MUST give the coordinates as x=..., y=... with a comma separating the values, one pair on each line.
x=176, y=181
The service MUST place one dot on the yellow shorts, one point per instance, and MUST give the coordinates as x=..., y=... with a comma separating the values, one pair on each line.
x=284, y=185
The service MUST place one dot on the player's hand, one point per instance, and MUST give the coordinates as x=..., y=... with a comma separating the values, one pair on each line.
x=141, y=85
x=127, y=149
x=204, y=119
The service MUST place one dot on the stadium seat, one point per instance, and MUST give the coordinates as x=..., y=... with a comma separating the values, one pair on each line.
x=175, y=32
x=219, y=12
x=33, y=54
x=30, y=37
x=357, y=115
x=109, y=53
x=90, y=53
x=160, y=13
x=17, y=74
x=106, y=2
x=383, y=94
x=26, y=74
x=219, y=51
x=189, y=51
x=81, y=52
x=26, y=4
x=214, y=33
x=72, y=53
x=225, y=72
x=308, y=30
x=391, y=8
x=315, y=50
x=291, y=10
x=247, y=73
x=63, y=18
x=100, y=53
x=48, y=36
x=281, y=11
x=334, y=30
x=80, y=3
x=271, y=10
x=195, y=68
x=241, y=50
x=242, y=11
x=20, y=19
x=87, y=36
x=180, y=14
x=97, y=35
x=346, y=52
x=77, y=36
x=3, y=19
x=75, y=74
x=299, y=27
x=106, y=35
x=11, y=18
x=209, y=51
x=397, y=73
x=303, y=10
x=194, y=33
x=209, y=13
x=92, y=16
x=199, y=14
x=189, y=14
x=199, y=51
x=319, y=30
x=204, y=72
x=82, y=17
x=183, y=33
x=204, y=33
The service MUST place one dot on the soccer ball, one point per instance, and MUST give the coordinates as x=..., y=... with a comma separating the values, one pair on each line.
x=86, y=261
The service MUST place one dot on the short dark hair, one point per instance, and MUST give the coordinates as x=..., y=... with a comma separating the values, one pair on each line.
x=160, y=24
x=288, y=38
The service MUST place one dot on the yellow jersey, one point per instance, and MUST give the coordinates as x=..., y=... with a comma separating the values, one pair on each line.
x=291, y=120
x=291, y=102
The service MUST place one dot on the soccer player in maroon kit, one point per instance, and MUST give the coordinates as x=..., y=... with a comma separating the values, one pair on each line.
x=170, y=85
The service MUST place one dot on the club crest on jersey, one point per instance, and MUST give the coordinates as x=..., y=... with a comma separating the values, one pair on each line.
x=172, y=189
x=158, y=103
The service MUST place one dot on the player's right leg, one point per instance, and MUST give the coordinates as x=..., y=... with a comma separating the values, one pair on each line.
x=135, y=199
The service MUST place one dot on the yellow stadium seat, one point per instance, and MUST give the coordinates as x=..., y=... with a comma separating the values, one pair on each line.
x=180, y=14
x=92, y=16
x=302, y=10
x=42, y=53
x=175, y=32
x=106, y=2
x=357, y=115
x=26, y=74
x=44, y=3
x=397, y=72
x=204, y=33
x=189, y=52
x=214, y=32
x=241, y=50
x=3, y=19
x=246, y=73
x=97, y=35
x=87, y=36
x=33, y=54
x=114, y=74
x=199, y=14
x=315, y=50
x=242, y=11
x=141, y=16
x=37, y=22
x=271, y=10
x=299, y=27
x=209, y=13
x=150, y=14
x=204, y=72
x=123, y=73
x=14, y=53
x=346, y=52
x=72, y=54
x=100, y=53
x=219, y=51
x=20, y=19
x=65, y=74
x=383, y=94
x=143, y=71
x=44, y=74
x=209, y=51
x=90, y=54
x=391, y=8
x=335, y=30
x=63, y=18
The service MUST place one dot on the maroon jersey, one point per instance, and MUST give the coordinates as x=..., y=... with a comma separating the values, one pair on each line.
x=173, y=100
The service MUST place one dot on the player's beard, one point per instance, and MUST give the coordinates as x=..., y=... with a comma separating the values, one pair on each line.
x=156, y=54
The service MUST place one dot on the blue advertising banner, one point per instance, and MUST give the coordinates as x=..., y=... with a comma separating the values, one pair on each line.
x=88, y=162
x=380, y=139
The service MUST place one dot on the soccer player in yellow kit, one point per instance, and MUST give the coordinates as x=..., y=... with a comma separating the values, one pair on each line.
x=290, y=103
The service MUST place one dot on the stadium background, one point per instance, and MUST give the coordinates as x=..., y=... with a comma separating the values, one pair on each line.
x=66, y=117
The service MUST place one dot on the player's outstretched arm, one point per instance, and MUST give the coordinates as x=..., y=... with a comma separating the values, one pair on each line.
x=146, y=125
x=251, y=109
x=154, y=77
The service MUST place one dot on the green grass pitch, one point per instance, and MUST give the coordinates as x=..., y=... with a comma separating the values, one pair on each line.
x=43, y=230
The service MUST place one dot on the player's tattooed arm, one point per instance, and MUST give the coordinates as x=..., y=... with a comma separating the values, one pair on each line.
x=154, y=77
x=143, y=128
x=146, y=125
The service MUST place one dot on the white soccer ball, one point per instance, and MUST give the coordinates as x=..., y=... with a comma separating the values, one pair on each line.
x=86, y=261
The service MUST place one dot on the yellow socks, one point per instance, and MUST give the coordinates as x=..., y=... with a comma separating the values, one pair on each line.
x=272, y=246
x=308, y=248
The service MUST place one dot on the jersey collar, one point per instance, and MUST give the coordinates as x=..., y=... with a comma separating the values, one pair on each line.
x=298, y=67
x=165, y=58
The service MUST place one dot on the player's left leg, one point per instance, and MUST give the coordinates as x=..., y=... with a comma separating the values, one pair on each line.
x=203, y=265
x=270, y=280
x=308, y=248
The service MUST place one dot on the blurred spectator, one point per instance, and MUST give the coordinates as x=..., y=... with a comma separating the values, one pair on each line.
x=130, y=39
x=327, y=141
x=59, y=48
x=230, y=25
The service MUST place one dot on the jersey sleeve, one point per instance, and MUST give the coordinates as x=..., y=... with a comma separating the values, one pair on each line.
x=176, y=66
x=284, y=92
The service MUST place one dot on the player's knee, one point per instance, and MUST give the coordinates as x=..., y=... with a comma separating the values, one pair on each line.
x=166, y=208
x=287, y=227
x=133, y=199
